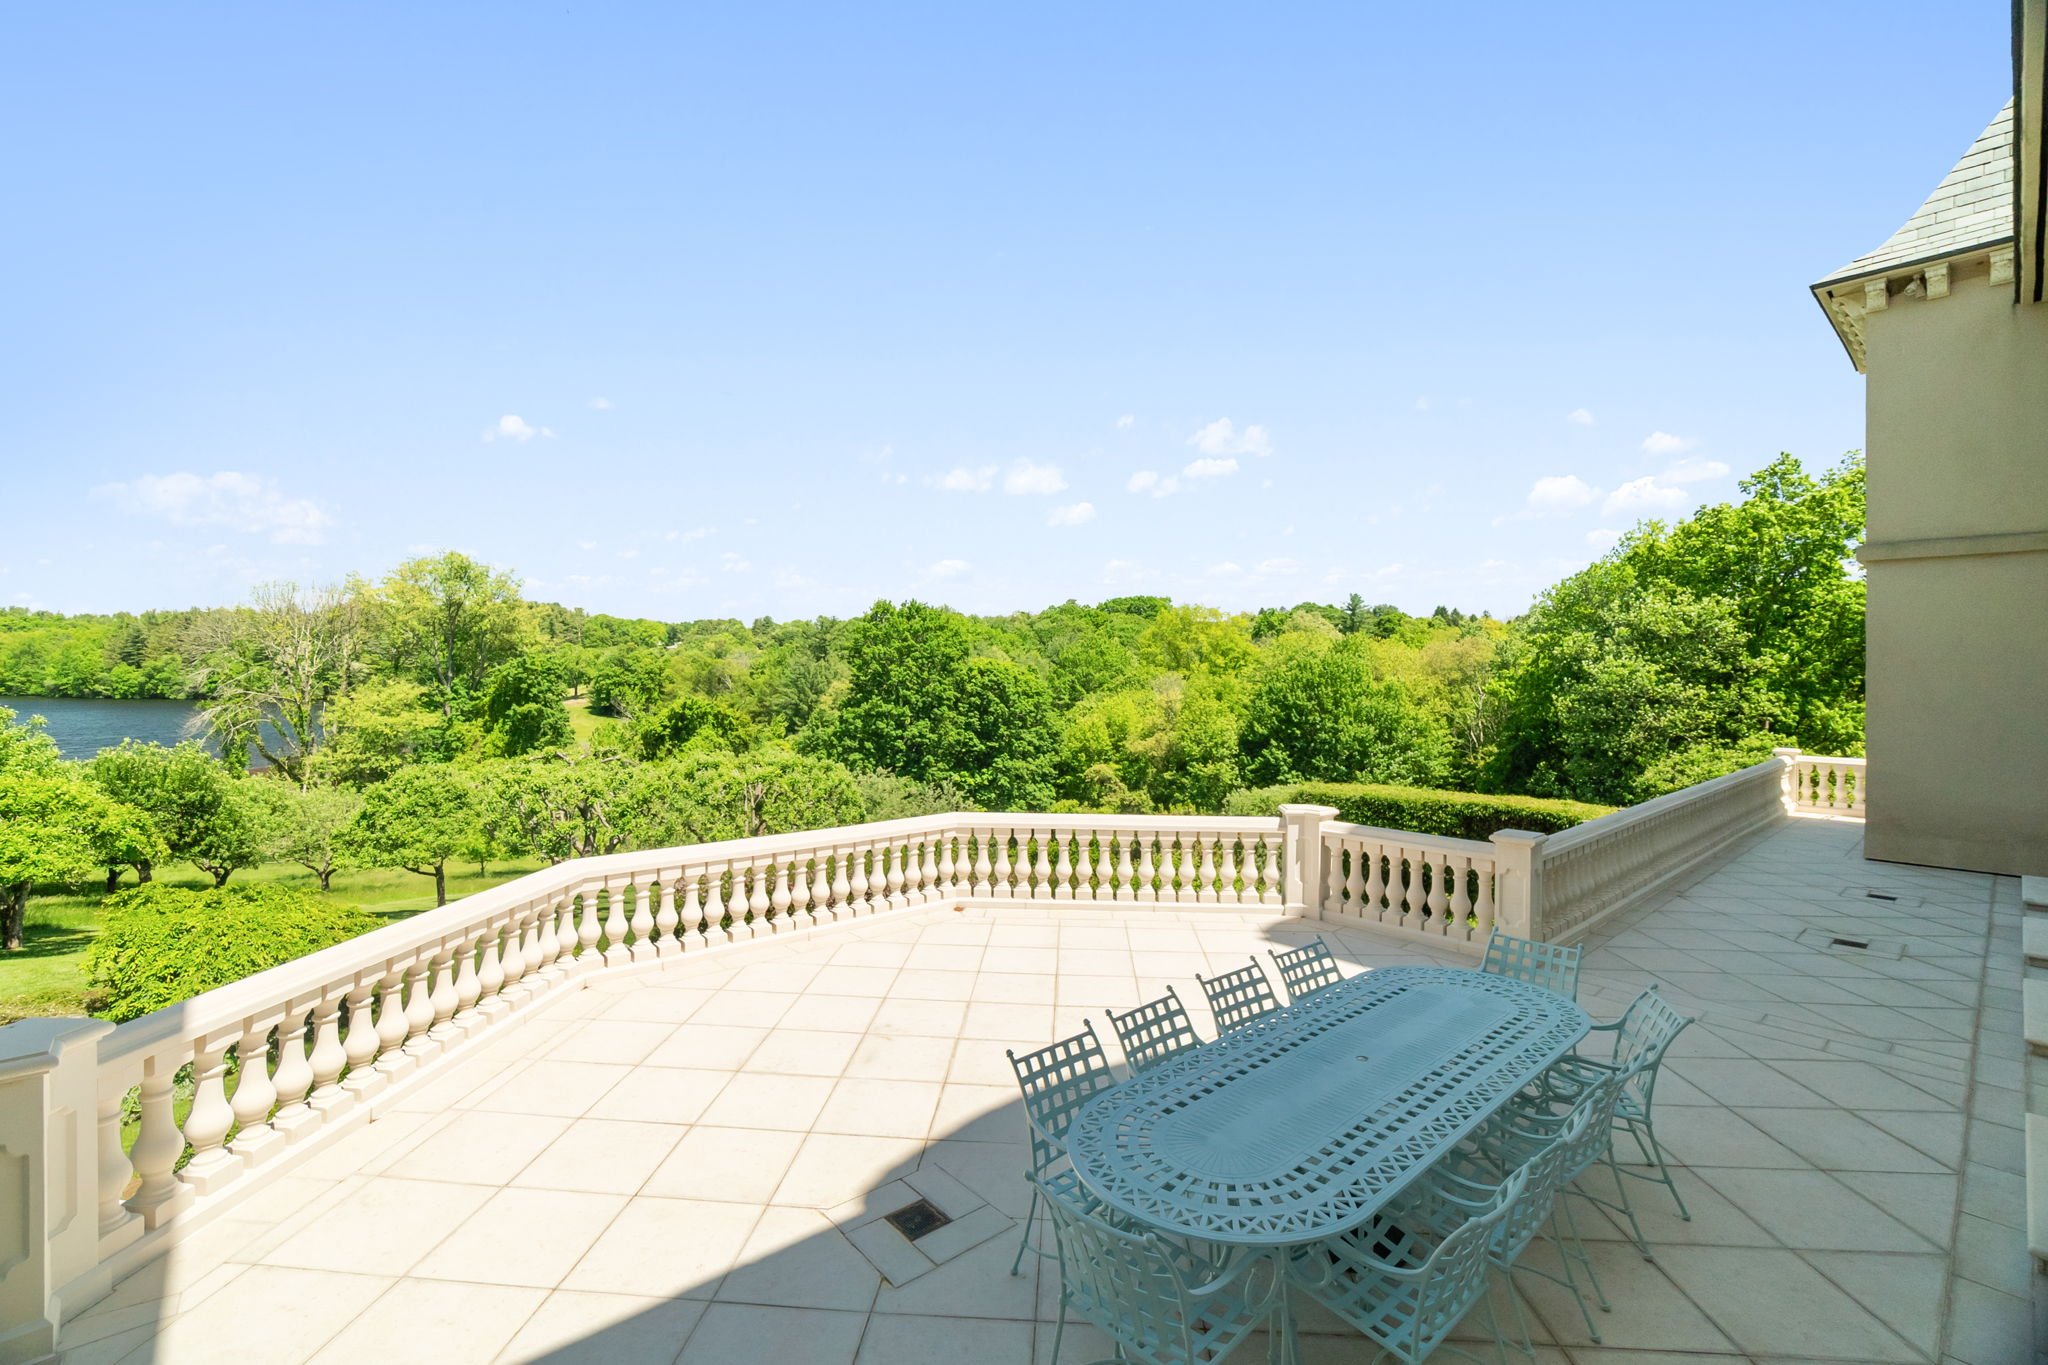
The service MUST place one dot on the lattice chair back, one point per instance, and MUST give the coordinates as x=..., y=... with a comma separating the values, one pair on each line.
x=1549, y=965
x=1646, y=1033
x=1239, y=997
x=1592, y=1117
x=1545, y=1179
x=1154, y=1031
x=1307, y=969
x=1143, y=1291
x=1057, y=1080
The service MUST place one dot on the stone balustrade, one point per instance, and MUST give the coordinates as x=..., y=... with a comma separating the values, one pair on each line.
x=281, y=1063
x=1834, y=786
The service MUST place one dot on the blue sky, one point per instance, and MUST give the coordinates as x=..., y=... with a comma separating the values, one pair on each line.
x=779, y=310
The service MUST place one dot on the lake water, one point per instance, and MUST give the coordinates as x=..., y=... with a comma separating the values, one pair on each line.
x=84, y=726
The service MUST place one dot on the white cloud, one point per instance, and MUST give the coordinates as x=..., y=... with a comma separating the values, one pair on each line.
x=1278, y=567
x=241, y=502
x=1558, y=494
x=1693, y=471
x=586, y=545
x=1029, y=478
x=1209, y=467
x=1423, y=402
x=1664, y=443
x=1641, y=495
x=733, y=562
x=1151, y=481
x=1220, y=437
x=790, y=578
x=1075, y=514
x=1579, y=417
x=629, y=554
x=964, y=480
x=1124, y=572
x=513, y=427
x=1602, y=540
x=948, y=568
x=601, y=404
x=1224, y=570
x=1126, y=422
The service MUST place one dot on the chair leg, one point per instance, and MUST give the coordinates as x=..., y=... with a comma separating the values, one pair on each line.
x=1526, y=1344
x=1577, y=1246
x=1664, y=1171
x=1627, y=1208
x=1024, y=1242
x=1059, y=1330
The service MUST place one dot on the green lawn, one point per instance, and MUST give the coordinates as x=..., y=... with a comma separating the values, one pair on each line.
x=48, y=975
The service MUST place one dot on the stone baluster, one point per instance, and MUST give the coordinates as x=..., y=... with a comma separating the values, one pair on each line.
x=1176, y=869
x=256, y=1142
x=1126, y=888
x=392, y=1058
x=715, y=927
x=419, y=1008
x=498, y=968
x=666, y=944
x=930, y=880
x=856, y=858
x=616, y=953
x=211, y=1117
x=1063, y=869
x=1041, y=866
x=949, y=869
x=1085, y=864
x=1376, y=874
x=782, y=898
x=984, y=865
x=529, y=982
x=562, y=953
x=1227, y=891
x=1148, y=873
x=1006, y=878
x=898, y=879
x=1439, y=903
x=842, y=883
x=642, y=922
x=160, y=1195
x=588, y=932
x=118, y=1226
x=328, y=1057
x=294, y=1075
x=1205, y=877
x=443, y=997
x=693, y=931
x=759, y=902
x=469, y=984
x=359, y=1045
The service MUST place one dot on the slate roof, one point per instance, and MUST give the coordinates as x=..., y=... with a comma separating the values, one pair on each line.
x=1971, y=207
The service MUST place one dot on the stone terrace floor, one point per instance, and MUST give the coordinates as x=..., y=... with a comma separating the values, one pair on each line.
x=641, y=1171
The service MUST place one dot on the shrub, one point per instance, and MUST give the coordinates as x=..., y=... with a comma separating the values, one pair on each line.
x=1458, y=815
x=1698, y=763
x=160, y=944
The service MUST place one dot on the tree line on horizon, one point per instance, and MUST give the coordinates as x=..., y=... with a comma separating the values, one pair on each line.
x=427, y=717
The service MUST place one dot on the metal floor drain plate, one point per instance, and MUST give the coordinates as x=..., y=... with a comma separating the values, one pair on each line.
x=1880, y=896
x=1849, y=943
x=915, y=1220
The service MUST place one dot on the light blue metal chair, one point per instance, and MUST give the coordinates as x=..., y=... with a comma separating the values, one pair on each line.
x=1549, y=965
x=1640, y=1038
x=1307, y=969
x=1154, y=1031
x=1056, y=1080
x=1406, y=1286
x=1239, y=997
x=1161, y=1303
x=1465, y=1183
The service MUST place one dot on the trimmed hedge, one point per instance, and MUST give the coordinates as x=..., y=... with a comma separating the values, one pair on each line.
x=160, y=944
x=1457, y=815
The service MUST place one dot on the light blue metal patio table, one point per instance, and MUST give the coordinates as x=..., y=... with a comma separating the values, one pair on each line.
x=1300, y=1125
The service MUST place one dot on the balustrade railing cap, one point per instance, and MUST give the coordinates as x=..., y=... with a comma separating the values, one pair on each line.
x=1327, y=812
x=30, y=1046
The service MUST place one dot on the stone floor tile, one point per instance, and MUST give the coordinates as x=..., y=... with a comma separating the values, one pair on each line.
x=1649, y=1311
x=1998, y=1195
x=1859, y=1085
x=601, y=1156
x=931, y=1018
x=791, y=1103
x=974, y=1284
x=1001, y=1022
x=382, y=1228
x=424, y=1319
x=1994, y=1255
x=1987, y=1327
x=661, y=1095
x=832, y=1013
x=289, y=1315
x=1742, y=1083
x=831, y=1168
x=1904, y=1291
x=481, y=1149
x=657, y=1006
x=880, y=1108
x=1015, y=988
x=1721, y=1137
x=901, y=1057
x=1836, y=1140
x=734, y=1165
x=665, y=1248
x=894, y=1340
x=804, y=1052
x=1811, y=1210
x=732, y=1332
x=561, y=1089
x=944, y=957
x=522, y=1237
x=915, y=984
x=1940, y=1136
x=708, y=1047
x=735, y=1008
x=1773, y=1303
x=983, y=1062
x=796, y=1258
x=1715, y=1220
x=624, y=1042
x=577, y=1328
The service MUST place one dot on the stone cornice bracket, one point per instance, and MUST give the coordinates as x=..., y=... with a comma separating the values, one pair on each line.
x=1877, y=295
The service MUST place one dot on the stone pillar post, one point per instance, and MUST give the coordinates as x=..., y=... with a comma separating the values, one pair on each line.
x=49, y=1177
x=1303, y=888
x=1790, y=780
x=1518, y=882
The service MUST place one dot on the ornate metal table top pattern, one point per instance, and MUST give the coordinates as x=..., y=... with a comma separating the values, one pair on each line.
x=1302, y=1123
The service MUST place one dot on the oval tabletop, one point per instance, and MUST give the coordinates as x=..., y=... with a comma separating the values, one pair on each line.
x=1301, y=1124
